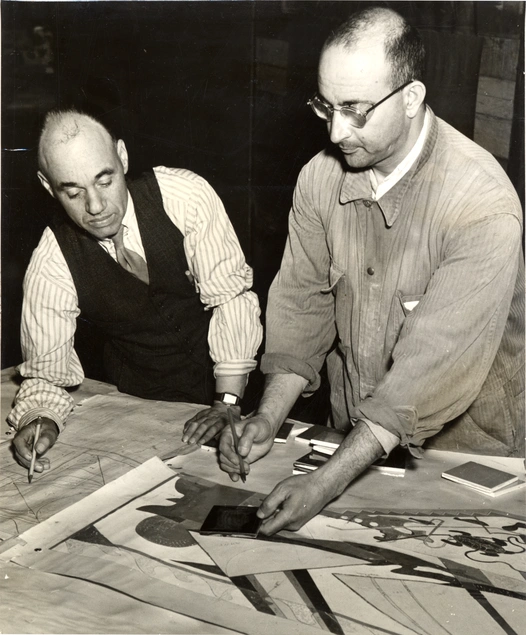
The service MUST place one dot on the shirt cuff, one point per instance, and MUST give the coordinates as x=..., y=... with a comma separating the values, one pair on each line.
x=31, y=415
x=386, y=439
x=285, y=364
x=234, y=367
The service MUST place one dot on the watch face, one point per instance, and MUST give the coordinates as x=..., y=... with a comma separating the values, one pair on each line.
x=231, y=400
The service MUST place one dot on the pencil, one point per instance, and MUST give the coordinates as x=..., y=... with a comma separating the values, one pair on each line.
x=236, y=446
x=34, y=455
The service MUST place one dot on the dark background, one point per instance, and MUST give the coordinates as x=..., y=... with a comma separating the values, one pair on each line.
x=216, y=87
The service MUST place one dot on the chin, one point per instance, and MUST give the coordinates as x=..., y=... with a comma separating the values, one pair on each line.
x=356, y=162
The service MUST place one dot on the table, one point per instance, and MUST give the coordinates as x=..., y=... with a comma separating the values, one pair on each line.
x=111, y=435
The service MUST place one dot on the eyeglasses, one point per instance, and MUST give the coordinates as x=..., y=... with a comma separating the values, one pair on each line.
x=351, y=114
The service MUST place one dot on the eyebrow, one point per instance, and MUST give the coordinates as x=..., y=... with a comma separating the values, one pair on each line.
x=106, y=172
x=350, y=102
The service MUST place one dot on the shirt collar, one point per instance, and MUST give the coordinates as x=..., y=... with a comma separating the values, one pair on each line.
x=403, y=167
x=356, y=185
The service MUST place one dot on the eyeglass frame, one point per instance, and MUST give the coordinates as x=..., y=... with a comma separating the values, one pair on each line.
x=354, y=109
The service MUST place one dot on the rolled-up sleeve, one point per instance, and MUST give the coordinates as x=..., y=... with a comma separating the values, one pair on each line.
x=300, y=315
x=448, y=343
x=49, y=313
x=217, y=264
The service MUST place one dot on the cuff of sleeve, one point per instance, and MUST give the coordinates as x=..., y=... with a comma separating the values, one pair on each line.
x=386, y=439
x=40, y=412
x=401, y=422
x=234, y=367
x=284, y=364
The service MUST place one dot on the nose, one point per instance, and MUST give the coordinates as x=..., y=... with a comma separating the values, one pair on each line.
x=339, y=129
x=95, y=202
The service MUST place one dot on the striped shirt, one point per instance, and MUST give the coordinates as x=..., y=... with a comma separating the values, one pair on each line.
x=216, y=265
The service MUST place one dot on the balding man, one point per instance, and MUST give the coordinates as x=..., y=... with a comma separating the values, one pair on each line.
x=154, y=264
x=403, y=268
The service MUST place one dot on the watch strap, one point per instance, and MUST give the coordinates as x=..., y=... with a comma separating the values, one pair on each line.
x=228, y=398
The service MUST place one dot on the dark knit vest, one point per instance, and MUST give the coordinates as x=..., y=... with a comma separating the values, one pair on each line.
x=156, y=335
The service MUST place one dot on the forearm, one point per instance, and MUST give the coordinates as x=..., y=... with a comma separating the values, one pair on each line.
x=38, y=398
x=358, y=451
x=281, y=393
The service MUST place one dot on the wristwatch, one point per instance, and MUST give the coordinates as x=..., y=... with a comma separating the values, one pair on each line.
x=228, y=398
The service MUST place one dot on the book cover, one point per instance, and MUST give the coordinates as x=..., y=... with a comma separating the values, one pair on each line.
x=310, y=461
x=394, y=464
x=328, y=437
x=311, y=432
x=283, y=433
x=323, y=449
x=480, y=476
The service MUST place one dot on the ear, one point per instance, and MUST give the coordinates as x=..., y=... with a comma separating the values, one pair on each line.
x=415, y=95
x=45, y=183
x=123, y=154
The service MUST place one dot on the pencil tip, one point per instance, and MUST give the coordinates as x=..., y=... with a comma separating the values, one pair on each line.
x=30, y=478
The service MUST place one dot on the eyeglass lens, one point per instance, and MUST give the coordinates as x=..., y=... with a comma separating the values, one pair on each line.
x=324, y=111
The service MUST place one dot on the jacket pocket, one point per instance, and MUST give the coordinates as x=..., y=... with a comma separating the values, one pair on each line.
x=409, y=302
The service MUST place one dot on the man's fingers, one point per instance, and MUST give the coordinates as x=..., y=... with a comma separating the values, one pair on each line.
x=44, y=443
x=42, y=464
x=275, y=523
x=272, y=503
x=247, y=439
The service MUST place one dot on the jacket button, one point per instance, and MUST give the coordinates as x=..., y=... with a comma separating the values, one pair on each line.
x=370, y=271
x=367, y=203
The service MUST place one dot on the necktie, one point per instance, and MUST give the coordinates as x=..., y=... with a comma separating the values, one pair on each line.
x=128, y=259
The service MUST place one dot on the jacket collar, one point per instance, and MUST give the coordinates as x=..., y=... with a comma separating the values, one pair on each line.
x=356, y=184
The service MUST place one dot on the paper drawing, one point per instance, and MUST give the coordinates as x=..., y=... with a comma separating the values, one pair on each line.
x=360, y=571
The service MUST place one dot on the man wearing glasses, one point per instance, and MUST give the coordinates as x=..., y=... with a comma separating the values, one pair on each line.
x=403, y=270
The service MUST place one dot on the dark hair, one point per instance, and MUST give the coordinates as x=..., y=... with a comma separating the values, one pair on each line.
x=403, y=46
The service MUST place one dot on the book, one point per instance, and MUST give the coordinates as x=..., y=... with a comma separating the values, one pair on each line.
x=284, y=432
x=328, y=437
x=512, y=487
x=311, y=432
x=323, y=449
x=310, y=462
x=480, y=477
x=394, y=464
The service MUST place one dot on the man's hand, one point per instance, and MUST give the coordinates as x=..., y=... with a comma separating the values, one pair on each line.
x=255, y=441
x=293, y=502
x=207, y=423
x=23, y=443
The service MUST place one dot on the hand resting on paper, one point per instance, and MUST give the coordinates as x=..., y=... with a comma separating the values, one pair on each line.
x=293, y=502
x=256, y=438
x=207, y=423
x=23, y=443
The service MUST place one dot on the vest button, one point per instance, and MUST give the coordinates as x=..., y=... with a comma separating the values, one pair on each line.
x=367, y=203
x=176, y=328
x=370, y=271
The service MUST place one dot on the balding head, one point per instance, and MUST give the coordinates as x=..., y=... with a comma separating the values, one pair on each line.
x=83, y=167
x=402, y=45
x=62, y=126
